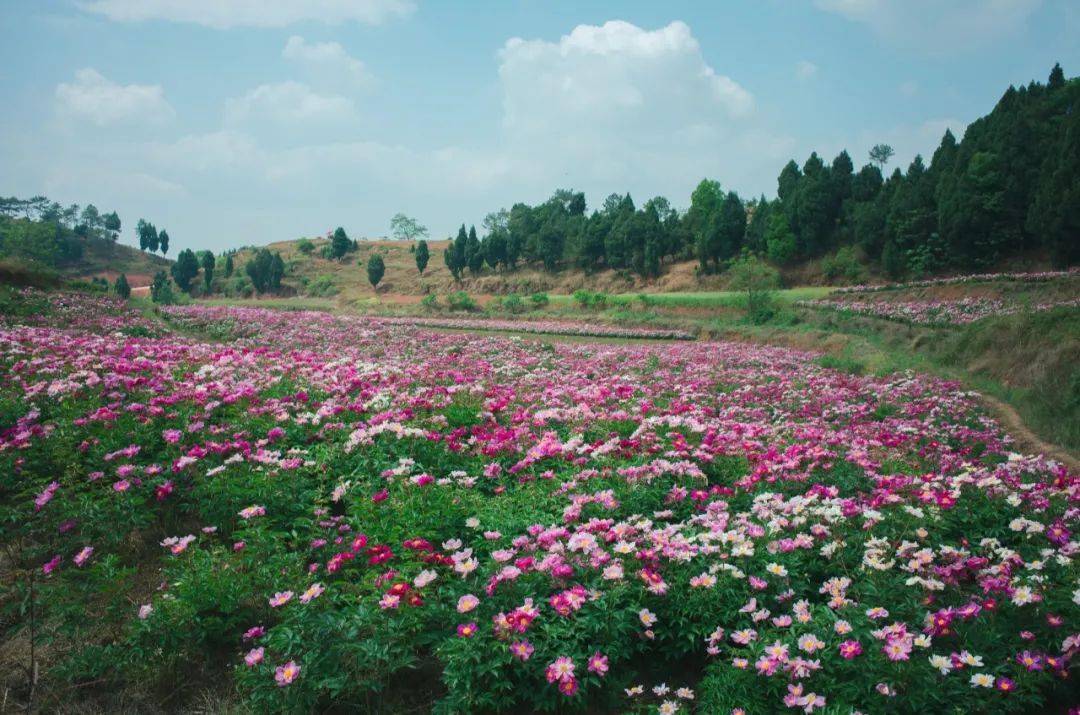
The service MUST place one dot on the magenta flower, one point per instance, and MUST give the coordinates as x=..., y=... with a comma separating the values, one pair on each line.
x=254, y=656
x=850, y=649
x=466, y=630
x=598, y=664
x=51, y=565
x=83, y=556
x=522, y=650
x=287, y=673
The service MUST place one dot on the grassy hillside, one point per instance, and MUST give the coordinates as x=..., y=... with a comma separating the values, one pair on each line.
x=107, y=259
x=100, y=259
x=311, y=275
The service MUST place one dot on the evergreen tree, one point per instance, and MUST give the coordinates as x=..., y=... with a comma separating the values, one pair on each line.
x=185, y=269
x=422, y=256
x=340, y=243
x=228, y=265
x=474, y=254
x=161, y=289
x=163, y=241
x=277, y=272
x=375, y=271
x=121, y=286
x=207, y=261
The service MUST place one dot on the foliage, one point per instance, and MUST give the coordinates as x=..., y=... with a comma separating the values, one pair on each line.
x=206, y=260
x=265, y=270
x=590, y=299
x=460, y=300
x=340, y=244
x=376, y=268
x=758, y=281
x=161, y=291
x=305, y=246
x=121, y=287
x=404, y=228
x=185, y=269
x=422, y=256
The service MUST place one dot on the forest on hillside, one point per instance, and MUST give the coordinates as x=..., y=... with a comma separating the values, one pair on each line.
x=1007, y=188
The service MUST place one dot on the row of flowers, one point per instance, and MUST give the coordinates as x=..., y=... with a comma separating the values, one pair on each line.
x=935, y=312
x=1015, y=277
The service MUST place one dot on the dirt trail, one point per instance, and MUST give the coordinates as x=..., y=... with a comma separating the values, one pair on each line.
x=1026, y=440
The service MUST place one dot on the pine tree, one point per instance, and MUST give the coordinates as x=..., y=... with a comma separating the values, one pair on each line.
x=422, y=256
x=375, y=271
x=121, y=286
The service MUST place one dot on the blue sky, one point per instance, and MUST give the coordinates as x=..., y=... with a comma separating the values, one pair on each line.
x=235, y=122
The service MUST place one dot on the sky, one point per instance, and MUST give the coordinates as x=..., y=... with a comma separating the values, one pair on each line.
x=242, y=122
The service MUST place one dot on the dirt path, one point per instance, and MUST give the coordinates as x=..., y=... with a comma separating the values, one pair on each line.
x=1026, y=440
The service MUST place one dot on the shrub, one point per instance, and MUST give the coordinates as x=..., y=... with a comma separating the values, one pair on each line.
x=539, y=300
x=513, y=303
x=843, y=265
x=589, y=299
x=430, y=302
x=161, y=291
x=305, y=246
x=460, y=300
x=322, y=287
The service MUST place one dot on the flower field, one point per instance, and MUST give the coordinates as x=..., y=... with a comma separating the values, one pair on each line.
x=934, y=312
x=311, y=512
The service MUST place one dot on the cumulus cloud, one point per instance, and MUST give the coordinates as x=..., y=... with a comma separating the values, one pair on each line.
x=805, y=69
x=935, y=25
x=95, y=98
x=616, y=73
x=223, y=14
x=326, y=59
x=619, y=107
x=288, y=102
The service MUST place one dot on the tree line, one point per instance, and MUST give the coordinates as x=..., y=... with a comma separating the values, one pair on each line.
x=1009, y=187
x=44, y=231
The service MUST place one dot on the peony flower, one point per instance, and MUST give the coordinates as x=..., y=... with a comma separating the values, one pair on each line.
x=598, y=664
x=280, y=598
x=254, y=656
x=83, y=556
x=286, y=674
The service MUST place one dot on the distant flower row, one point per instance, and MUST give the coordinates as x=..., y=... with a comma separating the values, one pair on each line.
x=934, y=312
x=548, y=327
x=1034, y=277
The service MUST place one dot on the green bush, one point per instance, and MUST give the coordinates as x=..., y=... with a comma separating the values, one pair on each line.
x=322, y=287
x=539, y=300
x=430, y=301
x=305, y=246
x=513, y=303
x=460, y=300
x=590, y=299
x=844, y=265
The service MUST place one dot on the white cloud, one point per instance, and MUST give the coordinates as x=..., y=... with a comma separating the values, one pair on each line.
x=805, y=69
x=617, y=107
x=99, y=100
x=614, y=74
x=326, y=58
x=938, y=26
x=288, y=102
x=223, y=14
